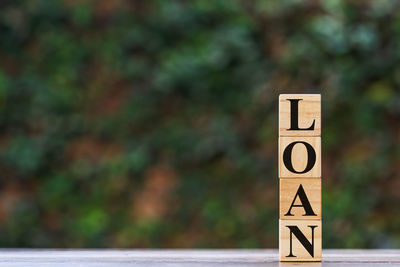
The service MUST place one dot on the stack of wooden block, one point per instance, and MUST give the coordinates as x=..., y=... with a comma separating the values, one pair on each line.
x=300, y=177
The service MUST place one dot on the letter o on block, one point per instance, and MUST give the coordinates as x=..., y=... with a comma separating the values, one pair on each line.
x=299, y=157
x=287, y=157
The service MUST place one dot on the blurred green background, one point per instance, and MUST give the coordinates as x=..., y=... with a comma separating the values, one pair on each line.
x=154, y=123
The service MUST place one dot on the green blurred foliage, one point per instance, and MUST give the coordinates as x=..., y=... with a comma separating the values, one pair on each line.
x=154, y=123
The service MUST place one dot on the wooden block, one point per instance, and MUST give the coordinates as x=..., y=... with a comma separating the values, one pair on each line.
x=300, y=115
x=300, y=199
x=299, y=157
x=300, y=240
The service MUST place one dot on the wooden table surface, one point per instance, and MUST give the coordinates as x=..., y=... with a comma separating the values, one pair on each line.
x=179, y=258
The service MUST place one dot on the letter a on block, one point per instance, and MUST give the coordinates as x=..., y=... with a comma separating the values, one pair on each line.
x=300, y=240
x=300, y=199
x=300, y=115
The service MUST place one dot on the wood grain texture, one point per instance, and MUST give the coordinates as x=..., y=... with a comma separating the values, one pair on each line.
x=289, y=190
x=309, y=109
x=291, y=249
x=299, y=157
x=197, y=258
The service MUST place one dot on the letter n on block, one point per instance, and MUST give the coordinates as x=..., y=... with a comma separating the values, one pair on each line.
x=300, y=240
